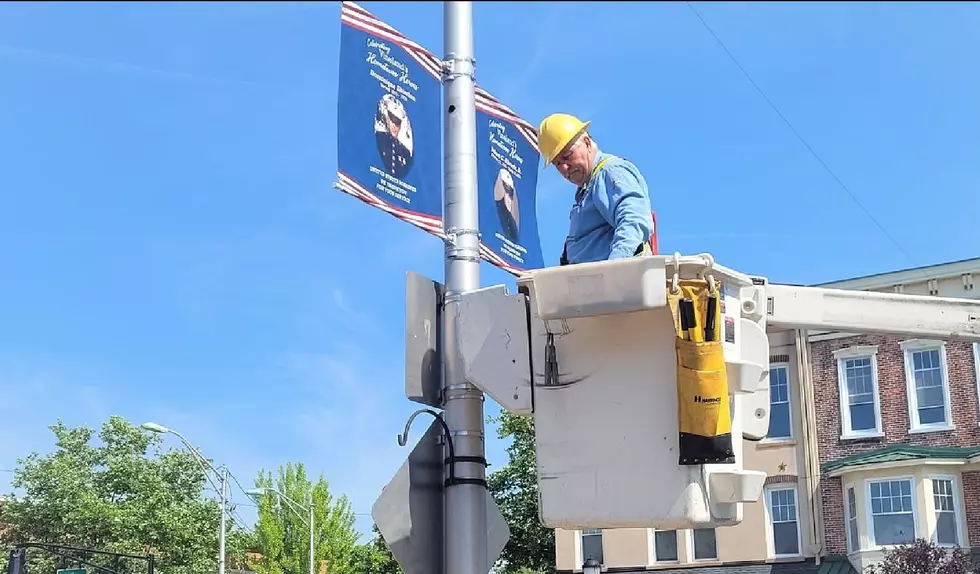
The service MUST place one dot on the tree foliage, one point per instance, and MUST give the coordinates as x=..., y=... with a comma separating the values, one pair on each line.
x=923, y=557
x=124, y=495
x=282, y=532
x=515, y=488
x=375, y=557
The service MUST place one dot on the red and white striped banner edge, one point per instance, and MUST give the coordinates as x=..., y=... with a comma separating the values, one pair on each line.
x=351, y=14
x=428, y=223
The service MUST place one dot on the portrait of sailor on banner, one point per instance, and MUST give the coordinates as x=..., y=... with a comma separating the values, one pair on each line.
x=393, y=132
x=507, y=174
x=508, y=208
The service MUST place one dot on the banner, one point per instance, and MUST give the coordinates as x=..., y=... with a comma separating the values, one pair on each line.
x=507, y=175
x=389, y=122
x=389, y=143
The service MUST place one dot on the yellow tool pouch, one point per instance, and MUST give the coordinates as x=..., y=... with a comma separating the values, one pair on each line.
x=703, y=405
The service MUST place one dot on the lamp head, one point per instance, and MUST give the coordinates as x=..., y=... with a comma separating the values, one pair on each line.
x=154, y=427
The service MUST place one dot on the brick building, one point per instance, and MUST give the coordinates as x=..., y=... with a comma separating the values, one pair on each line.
x=899, y=428
x=872, y=440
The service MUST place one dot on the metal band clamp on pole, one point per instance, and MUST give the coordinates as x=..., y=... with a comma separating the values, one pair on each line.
x=452, y=459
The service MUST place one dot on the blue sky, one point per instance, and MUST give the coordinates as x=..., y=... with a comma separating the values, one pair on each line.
x=173, y=249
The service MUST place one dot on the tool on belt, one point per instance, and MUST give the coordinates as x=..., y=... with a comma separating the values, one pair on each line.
x=703, y=404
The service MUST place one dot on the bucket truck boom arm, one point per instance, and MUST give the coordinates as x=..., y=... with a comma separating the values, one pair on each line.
x=872, y=312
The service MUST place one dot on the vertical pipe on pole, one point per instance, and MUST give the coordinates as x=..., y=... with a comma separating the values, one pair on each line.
x=224, y=512
x=465, y=533
x=810, y=443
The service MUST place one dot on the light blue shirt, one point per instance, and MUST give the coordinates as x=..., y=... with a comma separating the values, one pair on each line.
x=612, y=214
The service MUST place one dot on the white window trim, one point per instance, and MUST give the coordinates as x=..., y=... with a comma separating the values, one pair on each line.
x=651, y=547
x=909, y=347
x=957, y=510
x=577, y=566
x=976, y=367
x=856, y=544
x=770, y=535
x=652, y=559
x=869, y=515
x=843, y=355
x=789, y=400
x=690, y=544
x=579, y=558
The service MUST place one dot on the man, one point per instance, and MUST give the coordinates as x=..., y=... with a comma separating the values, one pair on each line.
x=393, y=134
x=508, y=210
x=611, y=217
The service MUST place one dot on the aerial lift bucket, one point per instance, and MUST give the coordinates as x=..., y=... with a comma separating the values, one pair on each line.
x=605, y=396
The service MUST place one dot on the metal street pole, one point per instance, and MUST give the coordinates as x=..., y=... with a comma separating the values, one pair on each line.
x=465, y=508
x=205, y=466
x=312, y=571
x=224, y=513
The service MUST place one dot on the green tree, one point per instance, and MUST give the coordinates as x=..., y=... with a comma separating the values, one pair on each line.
x=283, y=532
x=515, y=488
x=123, y=495
x=923, y=557
x=375, y=557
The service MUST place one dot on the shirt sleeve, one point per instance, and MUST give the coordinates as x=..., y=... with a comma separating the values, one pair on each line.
x=623, y=201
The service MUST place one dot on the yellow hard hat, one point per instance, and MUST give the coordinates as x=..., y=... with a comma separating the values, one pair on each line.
x=556, y=131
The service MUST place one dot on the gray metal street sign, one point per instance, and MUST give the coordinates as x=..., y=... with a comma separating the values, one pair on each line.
x=423, y=324
x=409, y=512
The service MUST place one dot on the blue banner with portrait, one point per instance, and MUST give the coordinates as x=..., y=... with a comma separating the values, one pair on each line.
x=389, y=124
x=507, y=171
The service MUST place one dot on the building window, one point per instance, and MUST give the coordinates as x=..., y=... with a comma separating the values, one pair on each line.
x=592, y=545
x=853, y=541
x=665, y=546
x=705, y=544
x=784, y=520
x=943, y=500
x=780, y=426
x=892, y=511
x=857, y=372
x=925, y=373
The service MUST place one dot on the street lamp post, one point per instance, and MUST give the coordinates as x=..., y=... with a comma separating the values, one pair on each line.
x=293, y=505
x=205, y=466
x=224, y=519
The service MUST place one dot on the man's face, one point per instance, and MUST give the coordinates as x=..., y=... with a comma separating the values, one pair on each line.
x=574, y=162
x=394, y=123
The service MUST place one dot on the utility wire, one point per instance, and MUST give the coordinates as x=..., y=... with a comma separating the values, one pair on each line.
x=238, y=520
x=798, y=135
x=240, y=487
x=233, y=514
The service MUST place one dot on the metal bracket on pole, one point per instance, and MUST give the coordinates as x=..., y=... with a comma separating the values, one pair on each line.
x=455, y=251
x=467, y=68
